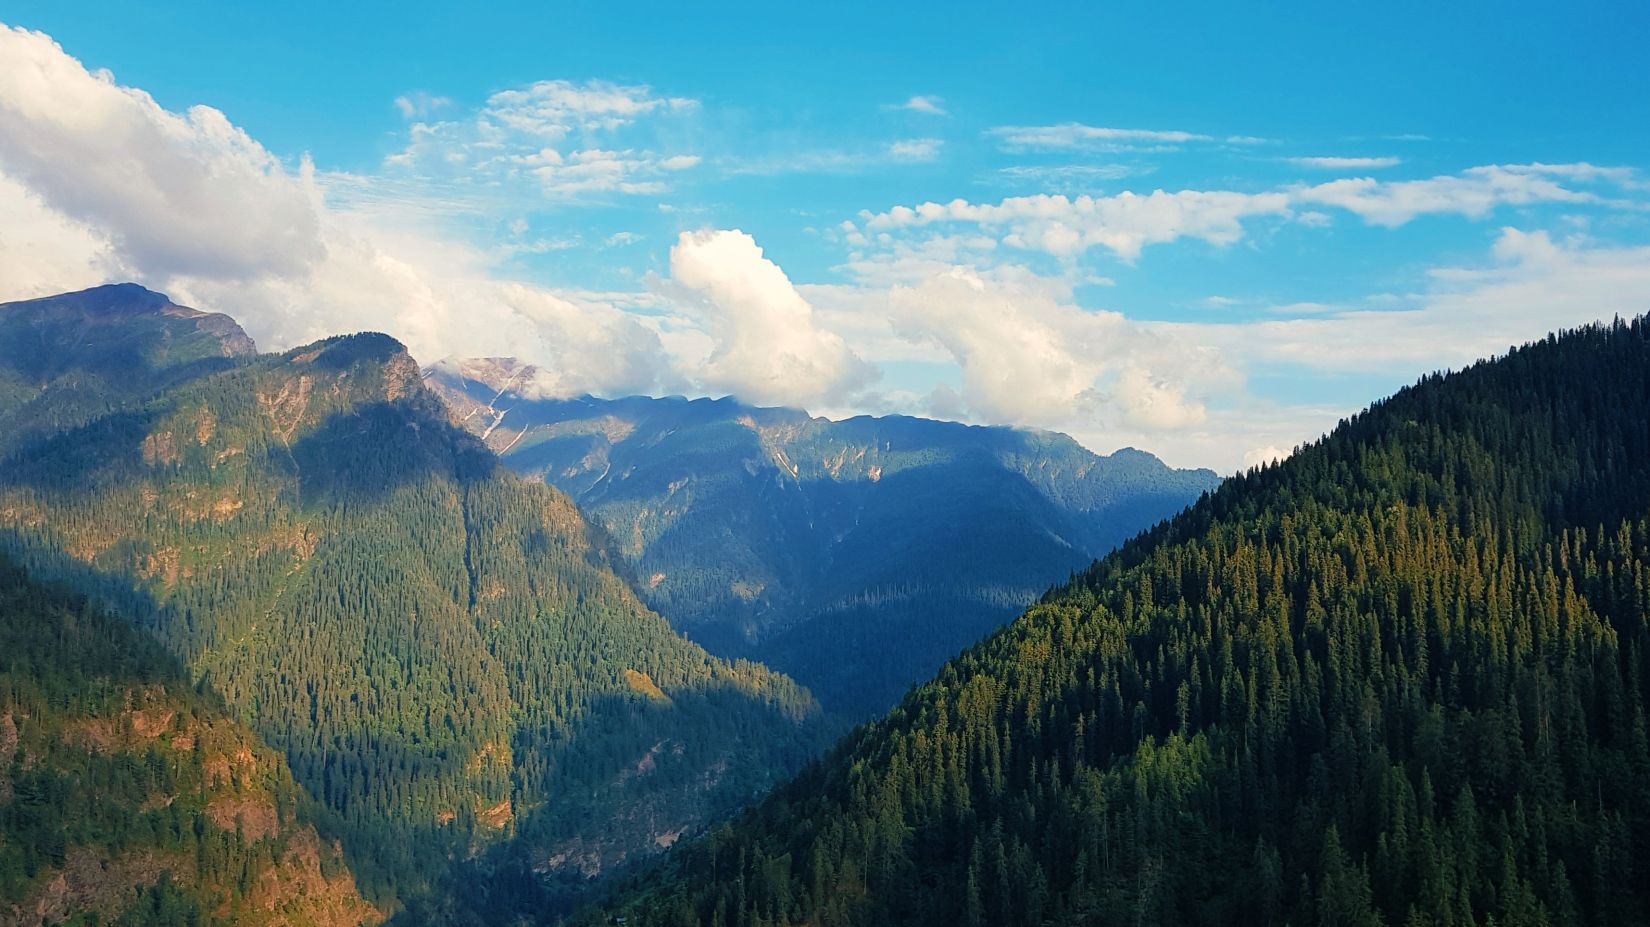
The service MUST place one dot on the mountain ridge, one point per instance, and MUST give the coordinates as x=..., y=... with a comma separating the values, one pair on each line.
x=803, y=542
x=441, y=650
x=1400, y=677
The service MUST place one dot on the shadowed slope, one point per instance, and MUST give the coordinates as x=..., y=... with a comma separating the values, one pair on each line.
x=440, y=649
x=1400, y=678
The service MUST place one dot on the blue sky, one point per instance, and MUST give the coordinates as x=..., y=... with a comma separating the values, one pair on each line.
x=1209, y=230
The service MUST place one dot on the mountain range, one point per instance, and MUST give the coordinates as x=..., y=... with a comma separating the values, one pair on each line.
x=440, y=650
x=284, y=640
x=855, y=555
x=1400, y=678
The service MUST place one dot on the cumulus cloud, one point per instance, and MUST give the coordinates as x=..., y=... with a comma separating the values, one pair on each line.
x=767, y=347
x=1256, y=456
x=1030, y=356
x=43, y=251
x=176, y=193
x=98, y=182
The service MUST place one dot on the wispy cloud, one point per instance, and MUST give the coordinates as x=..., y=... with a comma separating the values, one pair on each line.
x=1077, y=136
x=916, y=149
x=835, y=160
x=1125, y=223
x=420, y=103
x=1067, y=136
x=930, y=105
x=562, y=139
x=1473, y=193
x=1070, y=177
x=553, y=109
x=1345, y=164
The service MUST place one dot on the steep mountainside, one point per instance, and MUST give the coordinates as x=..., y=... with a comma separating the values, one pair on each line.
x=1401, y=678
x=439, y=648
x=128, y=796
x=855, y=555
x=67, y=359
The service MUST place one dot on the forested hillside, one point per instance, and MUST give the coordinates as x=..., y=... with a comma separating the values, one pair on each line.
x=67, y=359
x=857, y=555
x=1400, y=678
x=129, y=798
x=439, y=649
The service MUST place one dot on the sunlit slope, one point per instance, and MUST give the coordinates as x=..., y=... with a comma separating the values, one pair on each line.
x=1400, y=678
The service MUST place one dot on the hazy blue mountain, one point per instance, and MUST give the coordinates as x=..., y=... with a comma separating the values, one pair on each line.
x=855, y=555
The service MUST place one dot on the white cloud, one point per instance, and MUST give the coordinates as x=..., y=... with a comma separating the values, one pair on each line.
x=1531, y=286
x=1472, y=193
x=766, y=346
x=1257, y=456
x=43, y=252
x=1029, y=356
x=916, y=149
x=420, y=103
x=1124, y=224
x=931, y=105
x=826, y=160
x=557, y=138
x=555, y=109
x=99, y=183
x=1127, y=222
x=1074, y=135
x=175, y=193
x=1345, y=164
x=1071, y=175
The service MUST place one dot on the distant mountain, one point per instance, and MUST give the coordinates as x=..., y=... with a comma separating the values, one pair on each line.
x=127, y=796
x=440, y=649
x=1401, y=678
x=855, y=555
